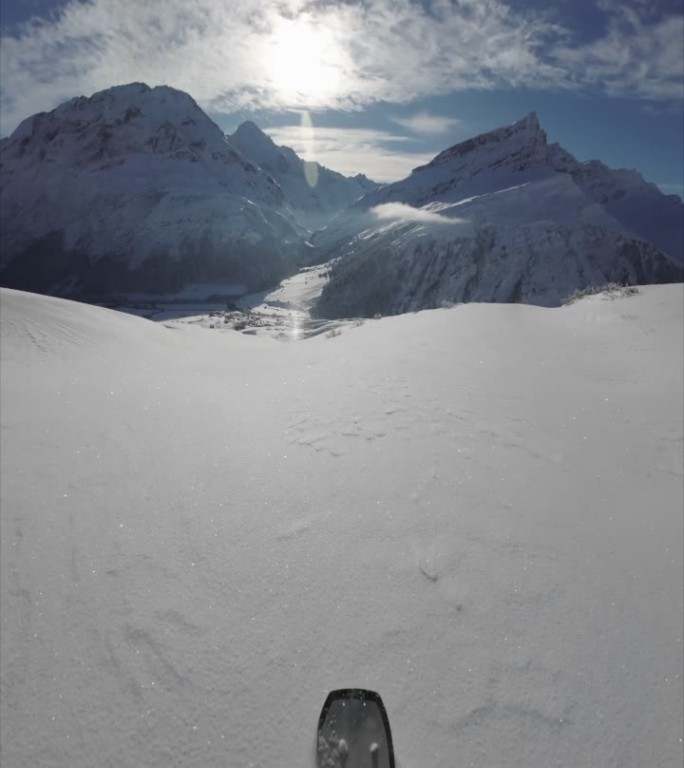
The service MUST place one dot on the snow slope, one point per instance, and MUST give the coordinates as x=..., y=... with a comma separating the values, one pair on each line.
x=502, y=217
x=136, y=189
x=476, y=511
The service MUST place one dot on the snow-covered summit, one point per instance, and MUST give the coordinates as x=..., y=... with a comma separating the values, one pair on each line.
x=315, y=192
x=525, y=134
x=121, y=122
x=504, y=216
x=254, y=143
x=483, y=164
x=135, y=188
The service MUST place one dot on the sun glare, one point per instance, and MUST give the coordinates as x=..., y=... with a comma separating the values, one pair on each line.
x=304, y=62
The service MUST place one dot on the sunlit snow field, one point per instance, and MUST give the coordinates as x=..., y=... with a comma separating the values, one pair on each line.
x=476, y=511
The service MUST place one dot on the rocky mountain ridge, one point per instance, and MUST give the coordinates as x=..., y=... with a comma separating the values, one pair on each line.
x=135, y=190
x=315, y=192
x=504, y=217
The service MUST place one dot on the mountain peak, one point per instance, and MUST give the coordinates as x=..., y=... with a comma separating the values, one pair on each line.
x=249, y=128
x=125, y=89
x=159, y=97
x=253, y=142
x=526, y=131
x=119, y=122
x=530, y=121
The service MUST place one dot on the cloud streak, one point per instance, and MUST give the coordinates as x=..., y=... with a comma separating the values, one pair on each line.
x=426, y=123
x=407, y=214
x=633, y=58
x=230, y=56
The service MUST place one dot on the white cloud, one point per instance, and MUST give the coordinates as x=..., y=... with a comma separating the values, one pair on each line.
x=230, y=55
x=296, y=54
x=378, y=154
x=407, y=214
x=427, y=123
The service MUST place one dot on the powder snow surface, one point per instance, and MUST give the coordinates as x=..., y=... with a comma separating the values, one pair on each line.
x=476, y=511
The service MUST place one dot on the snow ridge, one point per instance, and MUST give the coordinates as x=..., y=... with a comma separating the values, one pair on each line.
x=135, y=188
x=530, y=224
x=526, y=131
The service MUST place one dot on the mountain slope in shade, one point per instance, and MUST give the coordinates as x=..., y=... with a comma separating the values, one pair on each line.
x=315, y=192
x=136, y=189
x=504, y=216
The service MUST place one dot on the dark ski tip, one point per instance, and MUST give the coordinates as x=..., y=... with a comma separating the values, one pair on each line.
x=354, y=731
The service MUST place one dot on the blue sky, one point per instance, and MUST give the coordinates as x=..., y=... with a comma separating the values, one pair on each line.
x=374, y=86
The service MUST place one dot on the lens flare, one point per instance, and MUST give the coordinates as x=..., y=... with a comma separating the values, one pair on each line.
x=310, y=166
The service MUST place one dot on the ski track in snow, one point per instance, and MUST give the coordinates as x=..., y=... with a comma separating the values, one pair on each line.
x=475, y=511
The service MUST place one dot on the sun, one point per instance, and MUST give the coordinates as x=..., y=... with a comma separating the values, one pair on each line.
x=304, y=63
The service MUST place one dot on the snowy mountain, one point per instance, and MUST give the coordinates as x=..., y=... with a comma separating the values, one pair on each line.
x=136, y=189
x=315, y=192
x=504, y=216
x=475, y=511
